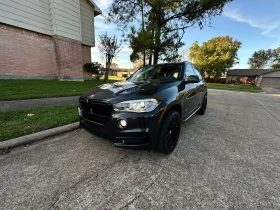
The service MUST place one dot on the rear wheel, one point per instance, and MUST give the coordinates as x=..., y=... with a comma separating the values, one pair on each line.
x=203, y=107
x=169, y=132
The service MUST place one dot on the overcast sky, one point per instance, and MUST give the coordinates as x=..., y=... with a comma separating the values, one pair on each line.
x=256, y=23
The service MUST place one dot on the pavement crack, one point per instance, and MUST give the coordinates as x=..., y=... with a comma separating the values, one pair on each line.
x=54, y=203
x=140, y=194
x=85, y=179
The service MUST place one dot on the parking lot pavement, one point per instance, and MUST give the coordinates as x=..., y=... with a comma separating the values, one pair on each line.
x=227, y=159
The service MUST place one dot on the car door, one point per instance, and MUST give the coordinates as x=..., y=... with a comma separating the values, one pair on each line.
x=190, y=99
x=201, y=86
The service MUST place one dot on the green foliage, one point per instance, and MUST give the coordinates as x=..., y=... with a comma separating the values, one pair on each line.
x=243, y=88
x=23, y=122
x=265, y=59
x=275, y=66
x=275, y=58
x=215, y=56
x=259, y=59
x=95, y=68
x=163, y=23
x=27, y=89
x=139, y=42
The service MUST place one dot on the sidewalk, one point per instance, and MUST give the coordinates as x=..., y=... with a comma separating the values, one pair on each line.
x=34, y=103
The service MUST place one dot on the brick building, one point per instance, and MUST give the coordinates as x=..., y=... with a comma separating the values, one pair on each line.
x=245, y=76
x=46, y=39
x=265, y=78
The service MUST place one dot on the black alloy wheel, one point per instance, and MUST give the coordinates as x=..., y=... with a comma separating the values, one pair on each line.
x=203, y=107
x=169, y=132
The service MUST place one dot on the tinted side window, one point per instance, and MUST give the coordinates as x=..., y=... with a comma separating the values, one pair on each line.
x=189, y=71
x=197, y=73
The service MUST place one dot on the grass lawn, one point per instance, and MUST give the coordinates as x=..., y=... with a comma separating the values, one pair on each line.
x=27, y=89
x=243, y=88
x=22, y=122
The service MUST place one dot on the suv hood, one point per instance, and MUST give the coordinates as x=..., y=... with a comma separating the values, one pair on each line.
x=123, y=89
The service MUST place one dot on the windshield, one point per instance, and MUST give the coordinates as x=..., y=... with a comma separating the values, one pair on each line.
x=170, y=72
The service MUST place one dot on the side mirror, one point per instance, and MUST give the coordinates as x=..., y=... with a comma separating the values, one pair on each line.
x=192, y=79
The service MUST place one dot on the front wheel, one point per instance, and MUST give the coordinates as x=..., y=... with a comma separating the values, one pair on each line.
x=169, y=132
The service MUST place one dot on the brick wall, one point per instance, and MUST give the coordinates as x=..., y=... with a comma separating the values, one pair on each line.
x=68, y=53
x=26, y=53
x=86, y=55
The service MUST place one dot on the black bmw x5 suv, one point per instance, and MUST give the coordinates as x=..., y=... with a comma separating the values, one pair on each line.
x=147, y=109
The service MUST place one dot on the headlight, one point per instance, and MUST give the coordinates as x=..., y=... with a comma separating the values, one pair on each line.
x=145, y=105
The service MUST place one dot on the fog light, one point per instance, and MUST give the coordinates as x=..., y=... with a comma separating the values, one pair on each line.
x=122, y=124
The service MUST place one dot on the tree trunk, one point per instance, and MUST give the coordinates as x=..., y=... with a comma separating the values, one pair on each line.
x=151, y=57
x=106, y=75
x=107, y=68
x=144, y=50
x=156, y=54
x=144, y=60
x=157, y=35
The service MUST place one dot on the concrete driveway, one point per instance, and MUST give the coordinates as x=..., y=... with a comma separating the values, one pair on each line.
x=271, y=90
x=227, y=159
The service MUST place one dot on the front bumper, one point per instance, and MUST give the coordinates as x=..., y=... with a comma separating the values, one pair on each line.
x=141, y=131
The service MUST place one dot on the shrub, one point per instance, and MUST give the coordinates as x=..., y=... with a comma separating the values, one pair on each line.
x=95, y=68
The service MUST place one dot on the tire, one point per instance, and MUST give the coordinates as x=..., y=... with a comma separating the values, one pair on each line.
x=203, y=107
x=169, y=132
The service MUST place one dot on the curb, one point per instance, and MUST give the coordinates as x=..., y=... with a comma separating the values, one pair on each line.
x=38, y=136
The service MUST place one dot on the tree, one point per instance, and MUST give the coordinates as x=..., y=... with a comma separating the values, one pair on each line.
x=137, y=64
x=275, y=58
x=95, y=68
x=114, y=66
x=163, y=23
x=260, y=59
x=269, y=58
x=108, y=48
x=184, y=53
x=139, y=42
x=215, y=56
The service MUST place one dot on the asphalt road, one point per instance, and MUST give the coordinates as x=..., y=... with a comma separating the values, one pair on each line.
x=227, y=159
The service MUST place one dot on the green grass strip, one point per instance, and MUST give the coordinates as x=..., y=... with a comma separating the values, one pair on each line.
x=23, y=122
x=28, y=89
x=243, y=88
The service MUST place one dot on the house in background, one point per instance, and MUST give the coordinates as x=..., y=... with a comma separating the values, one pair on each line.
x=265, y=78
x=245, y=76
x=124, y=72
x=270, y=79
x=46, y=39
x=113, y=72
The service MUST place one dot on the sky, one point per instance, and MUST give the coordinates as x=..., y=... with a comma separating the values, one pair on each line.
x=256, y=23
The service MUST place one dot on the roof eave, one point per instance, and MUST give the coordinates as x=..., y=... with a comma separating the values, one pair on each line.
x=97, y=10
x=271, y=71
